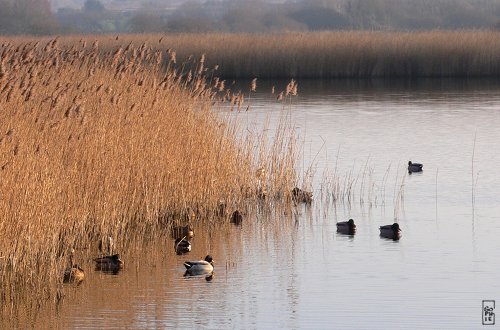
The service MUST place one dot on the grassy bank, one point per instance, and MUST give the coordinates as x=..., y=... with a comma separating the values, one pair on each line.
x=356, y=54
x=122, y=143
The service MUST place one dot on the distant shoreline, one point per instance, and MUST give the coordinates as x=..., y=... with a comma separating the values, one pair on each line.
x=326, y=55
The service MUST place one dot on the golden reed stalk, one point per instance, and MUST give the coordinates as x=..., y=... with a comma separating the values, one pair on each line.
x=112, y=141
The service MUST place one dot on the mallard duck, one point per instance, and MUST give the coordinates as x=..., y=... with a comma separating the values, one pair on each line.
x=414, y=167
x=73, y=274
x=390, y=231
x=236, y=217
x=301, y=196
x=182, y=231
x=200, y=267
x=346, y=227
x=109, y=263
x=182, y=245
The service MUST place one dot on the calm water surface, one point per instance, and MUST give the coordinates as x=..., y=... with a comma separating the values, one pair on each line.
x=292, y=270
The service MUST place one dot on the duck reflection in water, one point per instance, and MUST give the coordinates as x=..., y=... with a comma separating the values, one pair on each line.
x=208, y=277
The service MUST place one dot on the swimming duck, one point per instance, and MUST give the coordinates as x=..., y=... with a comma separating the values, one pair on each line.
x=200, y=267
x=73, y=274
x=390, y=231
x=301, y=196
x=182, y=245
x=109, y=263
x=346, y=227
x=236, y=217
x=182, y=231
x=414, y=167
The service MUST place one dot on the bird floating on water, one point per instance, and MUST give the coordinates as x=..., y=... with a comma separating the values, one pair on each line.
x=414, y=167
x=110, y=262
x=346, y=227
x=301, y=196
x=182, y=245
x=390, y=231
x=199, y=267
x=236, y=217
x=74, y=273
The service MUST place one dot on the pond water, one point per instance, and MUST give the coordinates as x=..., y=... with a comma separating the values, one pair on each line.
x=293, y=270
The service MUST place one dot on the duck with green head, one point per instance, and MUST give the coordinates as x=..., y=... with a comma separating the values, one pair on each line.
x=199, y=267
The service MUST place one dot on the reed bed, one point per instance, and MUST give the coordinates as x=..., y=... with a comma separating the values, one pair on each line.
x=118, y=140
x=342, y=54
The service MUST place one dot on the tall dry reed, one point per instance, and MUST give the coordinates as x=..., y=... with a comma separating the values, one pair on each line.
x=341, y=54
x=120, y=141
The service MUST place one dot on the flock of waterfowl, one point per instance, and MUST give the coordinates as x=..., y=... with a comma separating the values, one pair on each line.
x=106, y=262
x=183, y=234
x=387, y=231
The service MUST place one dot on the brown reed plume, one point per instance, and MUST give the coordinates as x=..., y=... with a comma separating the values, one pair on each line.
x=120, y=141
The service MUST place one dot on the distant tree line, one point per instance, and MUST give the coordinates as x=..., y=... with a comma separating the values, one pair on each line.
x=27, y=17
x=35, y=16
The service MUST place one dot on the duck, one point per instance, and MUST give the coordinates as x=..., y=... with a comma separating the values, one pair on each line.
x=390, y=231
x=182, y=245
x=301, y=196
x=346, y=227
x=110, y=262
x=414, y=167
x=183, y=231
x=73, y=273
x=236, y=217
x=199, y=267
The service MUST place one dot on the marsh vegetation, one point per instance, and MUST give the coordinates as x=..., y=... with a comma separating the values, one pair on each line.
x=122, y=142
x=327, y=55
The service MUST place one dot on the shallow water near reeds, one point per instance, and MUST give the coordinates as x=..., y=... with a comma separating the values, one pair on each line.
x=290, y=269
